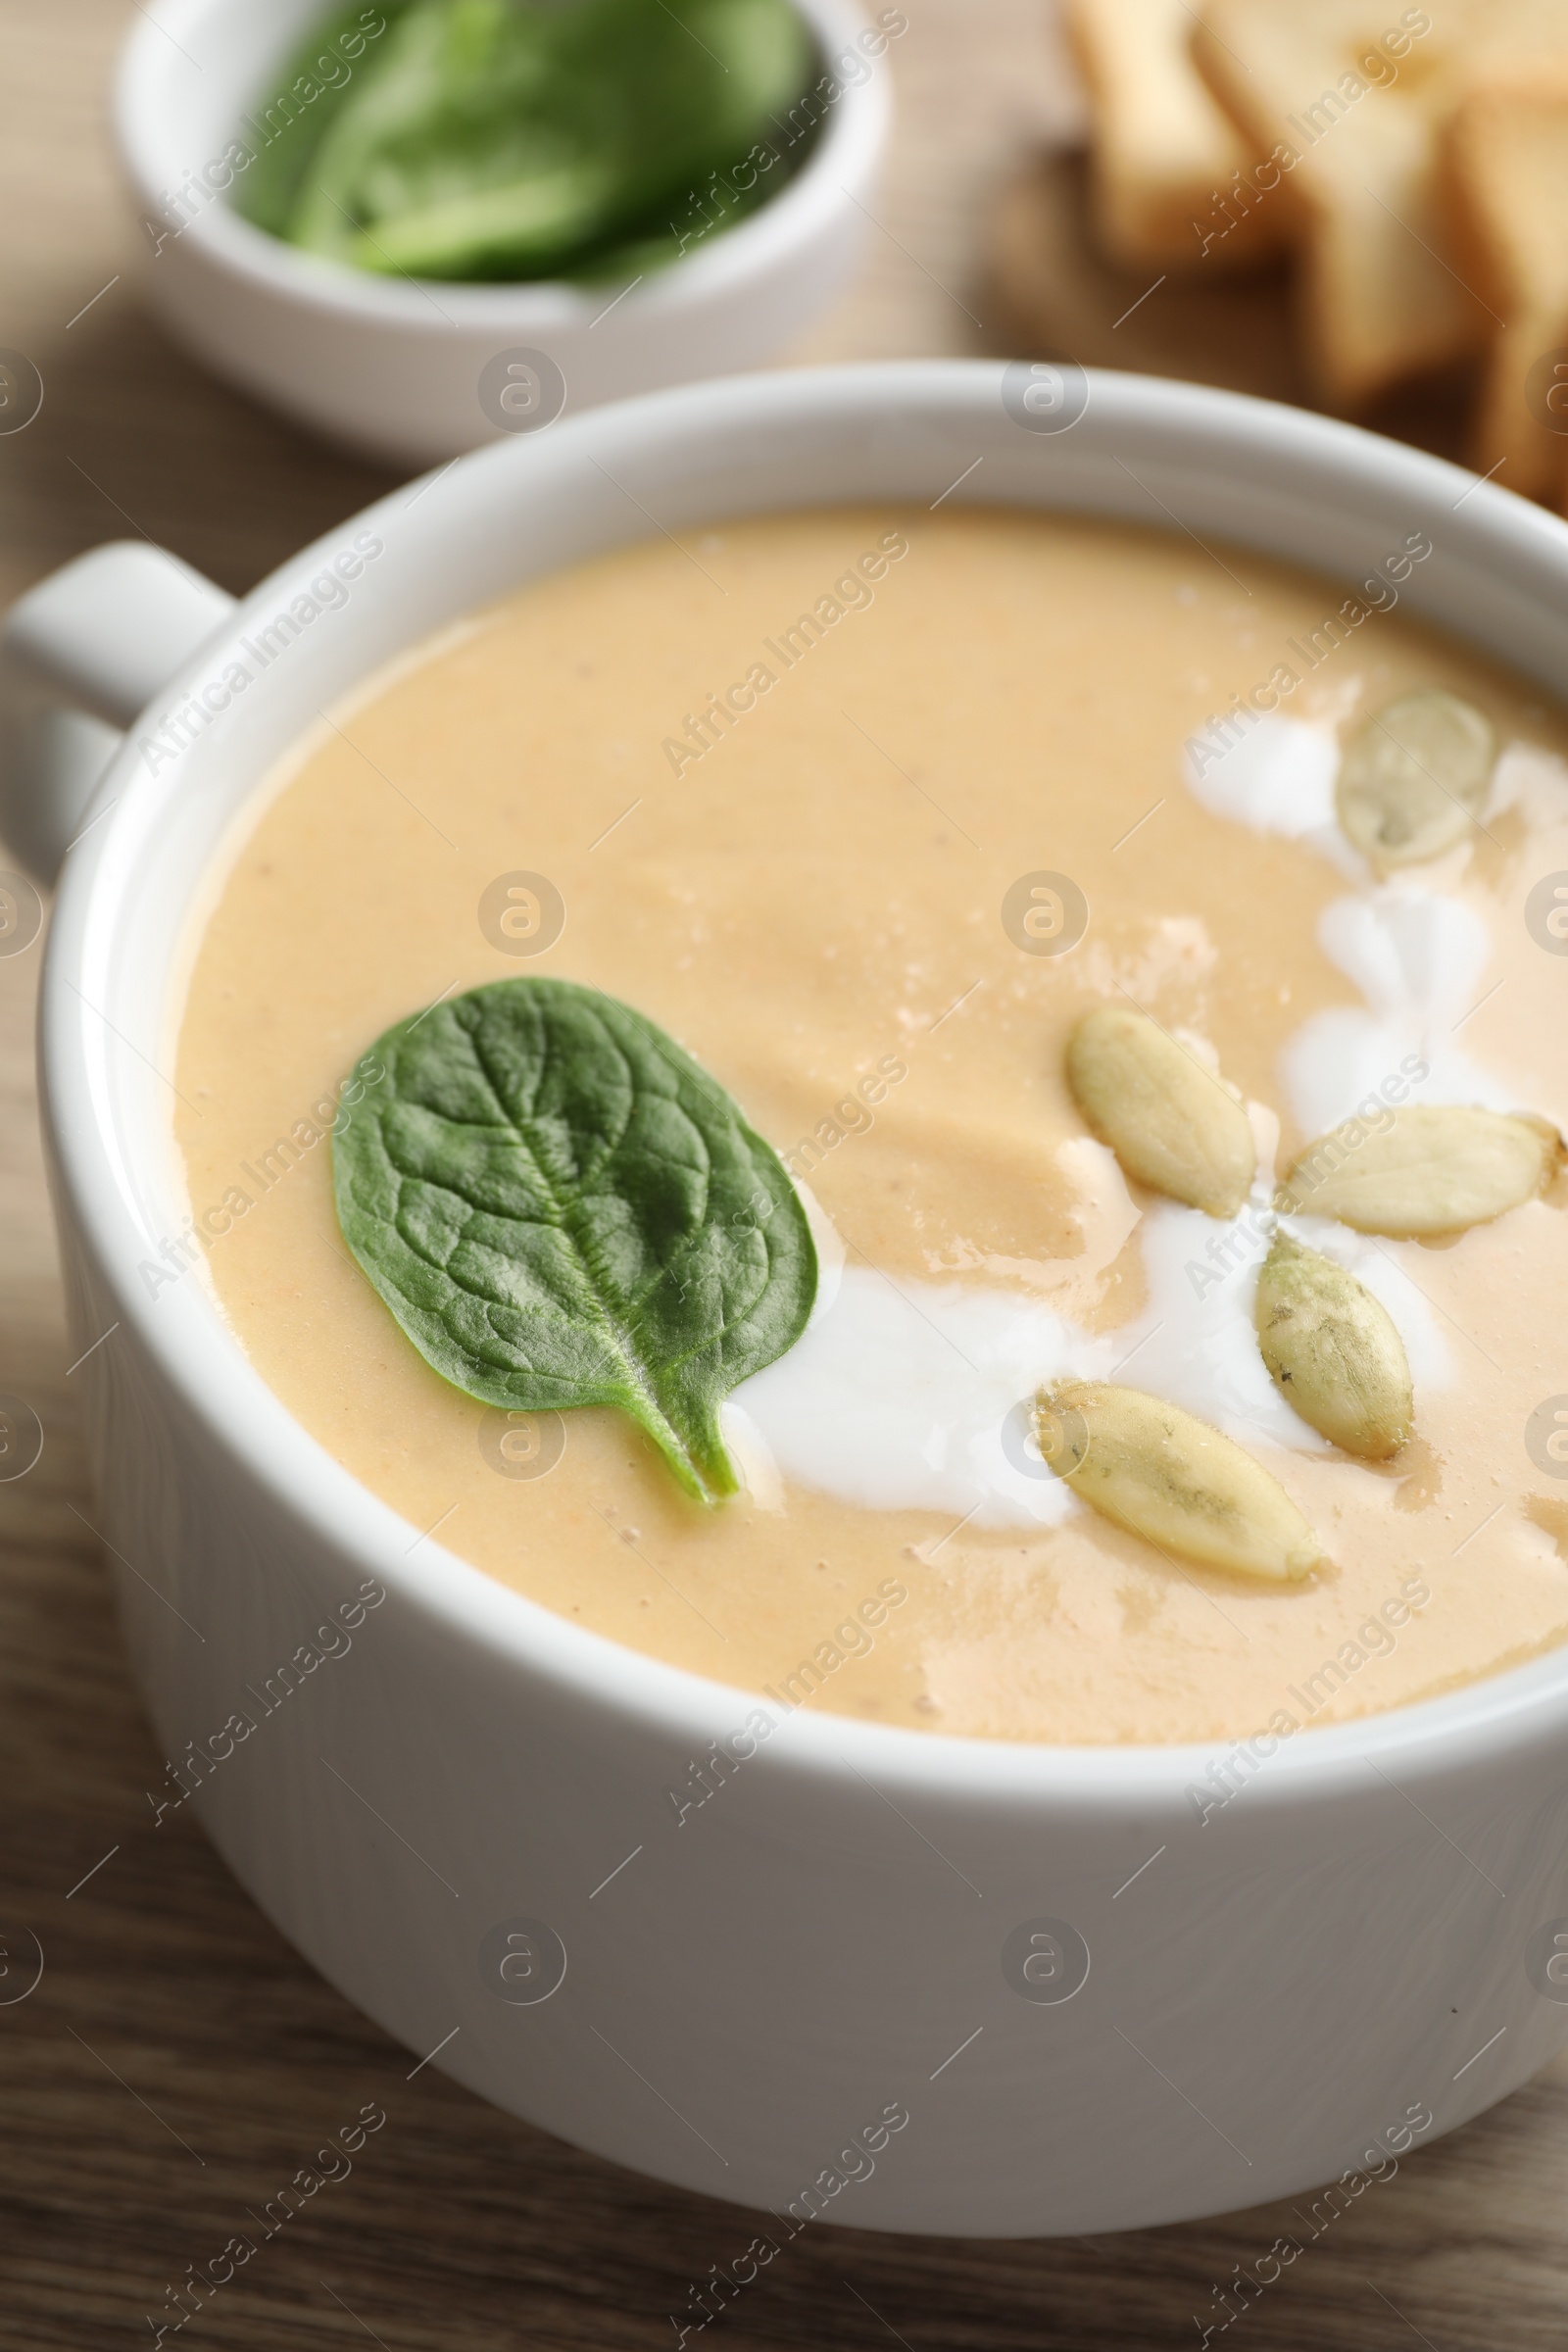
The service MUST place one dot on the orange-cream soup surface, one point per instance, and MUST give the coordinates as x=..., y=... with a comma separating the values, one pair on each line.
x=866, y=808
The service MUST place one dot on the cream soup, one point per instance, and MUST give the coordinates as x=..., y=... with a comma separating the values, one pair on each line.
x=842, y=889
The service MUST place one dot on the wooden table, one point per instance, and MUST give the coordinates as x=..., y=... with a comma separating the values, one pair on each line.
x=177, y=2063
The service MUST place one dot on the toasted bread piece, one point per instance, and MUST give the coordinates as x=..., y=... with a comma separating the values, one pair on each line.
x=1165, y=153
x=1506, y=159
x=1350, y=108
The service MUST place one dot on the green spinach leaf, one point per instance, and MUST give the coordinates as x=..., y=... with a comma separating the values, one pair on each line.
x=561, y=1208
x=525, y=139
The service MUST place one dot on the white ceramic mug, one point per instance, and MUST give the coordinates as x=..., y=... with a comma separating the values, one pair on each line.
x=861, y=1925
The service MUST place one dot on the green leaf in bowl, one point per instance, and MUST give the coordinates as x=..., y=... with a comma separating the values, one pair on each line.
x=488, y=139
x=561, y=1208
x=290, y=120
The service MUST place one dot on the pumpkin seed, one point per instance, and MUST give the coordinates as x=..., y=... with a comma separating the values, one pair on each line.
x=1173, y=1124
x=1437, y=1167
x=1163, y=1474
x=1333, y=1350
x=1414, y=777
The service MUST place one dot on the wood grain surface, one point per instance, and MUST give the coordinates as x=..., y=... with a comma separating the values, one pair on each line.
x=177, y=2063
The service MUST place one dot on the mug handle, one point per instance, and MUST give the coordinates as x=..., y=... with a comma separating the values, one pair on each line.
x=81, y=655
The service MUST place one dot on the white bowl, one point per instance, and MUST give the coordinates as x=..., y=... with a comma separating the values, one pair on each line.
x=1340, y=1963
x=393, y=366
